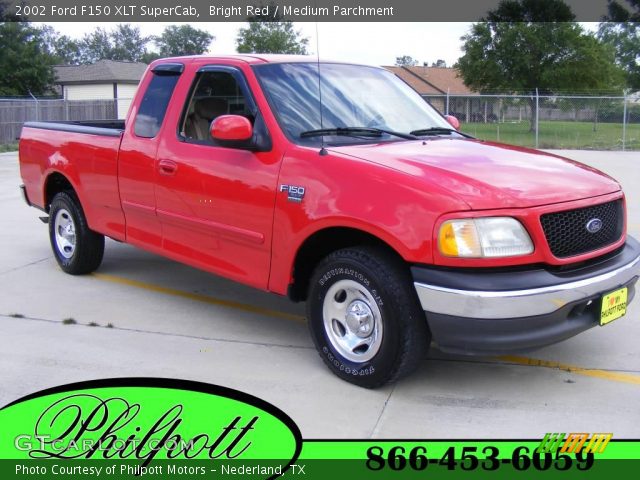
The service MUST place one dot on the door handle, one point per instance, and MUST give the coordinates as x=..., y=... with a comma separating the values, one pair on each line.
x=167, y=167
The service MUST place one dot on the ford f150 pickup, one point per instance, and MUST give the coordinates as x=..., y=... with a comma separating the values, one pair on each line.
x=339, y=185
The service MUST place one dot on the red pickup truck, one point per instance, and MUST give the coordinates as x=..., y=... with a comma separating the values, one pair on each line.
x=339, y=185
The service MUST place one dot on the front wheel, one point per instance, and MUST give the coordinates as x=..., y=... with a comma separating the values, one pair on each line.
x=77, y=249
x=365, y=318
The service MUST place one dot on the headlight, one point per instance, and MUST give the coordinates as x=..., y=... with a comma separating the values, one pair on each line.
x=484, y=237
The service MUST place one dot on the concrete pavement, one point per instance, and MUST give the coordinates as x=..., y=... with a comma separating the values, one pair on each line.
x=154, y=317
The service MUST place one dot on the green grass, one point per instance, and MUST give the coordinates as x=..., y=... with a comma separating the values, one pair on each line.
x=556, y=134
x=9, y=147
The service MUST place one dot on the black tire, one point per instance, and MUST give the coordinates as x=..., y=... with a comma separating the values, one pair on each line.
x=78, y=250
x=367, y=283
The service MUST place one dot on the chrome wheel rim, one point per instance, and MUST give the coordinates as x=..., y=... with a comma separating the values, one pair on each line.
x=352, y=321
x=65, y=233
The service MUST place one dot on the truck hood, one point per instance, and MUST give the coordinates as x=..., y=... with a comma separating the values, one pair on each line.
x=489, y=175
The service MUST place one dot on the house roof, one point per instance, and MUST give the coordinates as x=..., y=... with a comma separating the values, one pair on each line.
x=433, y=80
x=103, y=71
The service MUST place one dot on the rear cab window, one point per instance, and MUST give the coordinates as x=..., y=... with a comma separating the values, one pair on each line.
x=153, y=106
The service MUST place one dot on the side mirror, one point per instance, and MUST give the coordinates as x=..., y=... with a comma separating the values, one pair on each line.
x=231, y=128
x=453, y=121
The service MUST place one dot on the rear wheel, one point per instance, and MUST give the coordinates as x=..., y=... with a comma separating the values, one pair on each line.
x=365, y=318
x=77, y=249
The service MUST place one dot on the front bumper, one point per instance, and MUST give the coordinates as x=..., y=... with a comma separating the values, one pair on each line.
x=491, y=312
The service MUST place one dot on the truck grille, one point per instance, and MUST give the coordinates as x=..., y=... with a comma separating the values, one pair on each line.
x=567, y=233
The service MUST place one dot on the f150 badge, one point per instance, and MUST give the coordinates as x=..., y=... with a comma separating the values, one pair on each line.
x=295, y=193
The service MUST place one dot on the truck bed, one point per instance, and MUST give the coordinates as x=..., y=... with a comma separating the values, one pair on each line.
x=86, y=155
x=110, y=128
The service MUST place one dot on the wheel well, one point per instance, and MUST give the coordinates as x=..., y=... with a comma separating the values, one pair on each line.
x=321, y=244
x=56, y=183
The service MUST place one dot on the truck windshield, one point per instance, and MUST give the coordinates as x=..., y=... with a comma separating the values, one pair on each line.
x=354, y=98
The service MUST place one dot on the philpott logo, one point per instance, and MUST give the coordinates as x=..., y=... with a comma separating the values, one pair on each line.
x=148, y=420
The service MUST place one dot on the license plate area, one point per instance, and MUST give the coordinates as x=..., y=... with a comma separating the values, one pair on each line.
x=613, y=306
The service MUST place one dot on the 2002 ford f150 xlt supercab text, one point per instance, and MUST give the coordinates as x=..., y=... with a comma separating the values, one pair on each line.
x=339, y=185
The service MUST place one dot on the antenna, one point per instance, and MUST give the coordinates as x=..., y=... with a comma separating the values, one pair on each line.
x=323, y=151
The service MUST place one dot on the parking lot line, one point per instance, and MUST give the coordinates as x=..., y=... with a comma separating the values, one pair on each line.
x=199, y=298
x=588, y=372
x=518, y=360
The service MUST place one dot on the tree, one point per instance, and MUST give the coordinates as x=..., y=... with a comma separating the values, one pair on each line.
x=128, y=43
x=63, y=49
x=150, y=56
x=183, y=40
x=406, y=61
x=534, y=45
x=95, y=46
x=621, y=30
x=26, y=66
x=5, y=13
x=618, y=13
x=124, y=43
x=270, y=35
x=439, y=63
x=8, y=12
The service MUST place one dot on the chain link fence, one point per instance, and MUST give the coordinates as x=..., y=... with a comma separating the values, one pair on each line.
x=15, y=111
x=543, y=121
x=540, y=121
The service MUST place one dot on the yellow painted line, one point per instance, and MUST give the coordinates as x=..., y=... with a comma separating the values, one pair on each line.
x=198, y=297
x=587, y=372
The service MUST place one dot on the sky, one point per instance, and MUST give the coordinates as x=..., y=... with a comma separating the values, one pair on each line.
x=369, y=43
x=377, y=43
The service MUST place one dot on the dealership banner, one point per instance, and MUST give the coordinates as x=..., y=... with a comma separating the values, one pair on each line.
x=292, y=10
x=163, y=428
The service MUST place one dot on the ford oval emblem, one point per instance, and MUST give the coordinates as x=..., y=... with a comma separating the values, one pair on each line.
x=594, y=225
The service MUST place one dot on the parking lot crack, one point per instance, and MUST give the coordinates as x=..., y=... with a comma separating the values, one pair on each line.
x=374, y=432
x=4, y=272
x=153, y=332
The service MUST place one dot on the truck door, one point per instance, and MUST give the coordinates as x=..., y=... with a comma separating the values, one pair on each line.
x=137, y=157
x=216, y=203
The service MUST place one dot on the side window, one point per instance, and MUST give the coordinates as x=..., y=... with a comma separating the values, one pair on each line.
x=154, y=104
x=214, y=93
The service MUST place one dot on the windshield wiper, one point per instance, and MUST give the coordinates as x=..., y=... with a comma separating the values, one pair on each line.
x=438, y=131
x=356, y=132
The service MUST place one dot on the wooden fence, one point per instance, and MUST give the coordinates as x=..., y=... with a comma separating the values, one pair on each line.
x=14, y=112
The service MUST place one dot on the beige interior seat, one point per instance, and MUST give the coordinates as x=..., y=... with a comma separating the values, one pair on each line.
x=205, y=110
